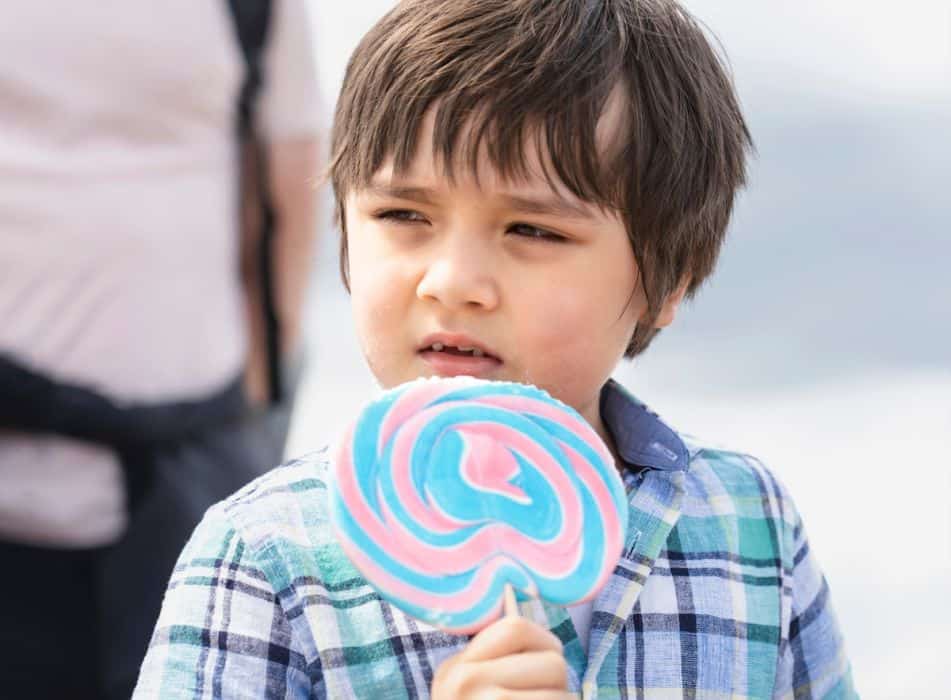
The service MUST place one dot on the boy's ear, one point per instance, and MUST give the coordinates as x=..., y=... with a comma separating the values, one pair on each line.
x=671, y=304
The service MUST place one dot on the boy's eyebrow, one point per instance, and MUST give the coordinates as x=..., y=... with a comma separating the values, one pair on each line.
x=422, y=195
x=551, y=205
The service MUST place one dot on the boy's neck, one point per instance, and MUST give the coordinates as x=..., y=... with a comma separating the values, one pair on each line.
x=608, y=438
x=596, y=421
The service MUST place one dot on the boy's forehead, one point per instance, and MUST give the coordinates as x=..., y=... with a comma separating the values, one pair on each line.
x=425, y=180
x=525, y=198
x=428, y=170
x=533, y=176
x=429, y=163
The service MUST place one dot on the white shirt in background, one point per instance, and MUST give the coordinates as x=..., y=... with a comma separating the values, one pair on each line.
x=118, y=221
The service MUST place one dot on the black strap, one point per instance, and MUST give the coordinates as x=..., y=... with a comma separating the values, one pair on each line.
x=36, y=403
x=251, y=20
x=251, y=23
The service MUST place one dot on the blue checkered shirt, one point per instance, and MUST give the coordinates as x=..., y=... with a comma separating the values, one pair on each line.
x=717, y=593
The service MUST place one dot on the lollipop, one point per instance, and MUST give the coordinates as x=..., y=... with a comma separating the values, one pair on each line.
x=446, y=490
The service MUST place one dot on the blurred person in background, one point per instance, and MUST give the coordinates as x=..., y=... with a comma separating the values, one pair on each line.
x=157, y=226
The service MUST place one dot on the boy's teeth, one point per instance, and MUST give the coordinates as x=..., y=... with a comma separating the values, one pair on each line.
x=476, y=352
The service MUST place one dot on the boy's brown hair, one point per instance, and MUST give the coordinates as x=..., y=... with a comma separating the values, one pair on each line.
x=506, y=75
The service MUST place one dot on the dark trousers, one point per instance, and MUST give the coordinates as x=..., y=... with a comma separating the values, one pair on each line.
x=48, y=623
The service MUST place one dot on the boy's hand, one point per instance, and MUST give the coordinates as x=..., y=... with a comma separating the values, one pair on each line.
x=511, y=658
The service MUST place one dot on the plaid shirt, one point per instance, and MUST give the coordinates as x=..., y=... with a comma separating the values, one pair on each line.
x=716, y=595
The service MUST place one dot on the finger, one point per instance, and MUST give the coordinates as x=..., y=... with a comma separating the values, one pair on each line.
x=533, y=670
x=510, y=635
x=511, y=606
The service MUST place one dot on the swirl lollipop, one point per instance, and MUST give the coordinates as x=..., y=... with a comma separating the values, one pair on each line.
x=446, y=490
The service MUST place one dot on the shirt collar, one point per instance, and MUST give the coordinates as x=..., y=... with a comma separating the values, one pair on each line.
x=641, y=437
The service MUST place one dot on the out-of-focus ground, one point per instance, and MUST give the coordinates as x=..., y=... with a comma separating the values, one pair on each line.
x=823, y=343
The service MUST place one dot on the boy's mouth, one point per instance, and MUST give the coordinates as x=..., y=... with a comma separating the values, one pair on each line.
x=450, y=356
x=461, y=351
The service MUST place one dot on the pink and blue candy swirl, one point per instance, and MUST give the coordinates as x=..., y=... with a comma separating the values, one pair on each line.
x=447, y=489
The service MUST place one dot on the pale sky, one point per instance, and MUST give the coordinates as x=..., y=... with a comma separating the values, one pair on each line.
x=866, y=49
x=869, y=46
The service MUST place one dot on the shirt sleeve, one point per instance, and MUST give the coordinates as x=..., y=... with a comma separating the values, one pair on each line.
x=290, y=102
x=222, y=632
x=813, y=662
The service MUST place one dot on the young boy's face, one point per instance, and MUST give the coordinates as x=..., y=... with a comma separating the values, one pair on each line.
x=490, y=278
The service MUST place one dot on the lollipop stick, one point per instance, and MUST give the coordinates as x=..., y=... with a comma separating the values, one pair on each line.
x=510, y=605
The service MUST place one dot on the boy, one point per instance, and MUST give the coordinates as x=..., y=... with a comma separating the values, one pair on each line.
x=527, y=190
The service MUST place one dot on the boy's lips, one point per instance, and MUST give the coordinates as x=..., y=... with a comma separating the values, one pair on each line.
x=452, y=354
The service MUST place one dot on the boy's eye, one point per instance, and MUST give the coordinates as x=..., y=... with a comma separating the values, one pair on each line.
x=404, y=215
x=529, y=231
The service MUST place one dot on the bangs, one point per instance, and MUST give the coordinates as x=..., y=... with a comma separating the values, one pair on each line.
x=512, y=107
x=520, y=142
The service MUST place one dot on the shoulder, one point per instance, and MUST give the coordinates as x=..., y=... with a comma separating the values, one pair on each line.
x=285, y=508
x=287, y=502
x=721, y=480
x=281, y=522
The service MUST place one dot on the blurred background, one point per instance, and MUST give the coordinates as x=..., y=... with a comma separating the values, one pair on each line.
x=823, y=343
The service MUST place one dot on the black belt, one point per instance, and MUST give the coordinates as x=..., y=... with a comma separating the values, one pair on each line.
x=33, y=402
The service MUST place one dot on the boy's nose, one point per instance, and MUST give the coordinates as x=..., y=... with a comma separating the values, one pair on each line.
x=460, y=277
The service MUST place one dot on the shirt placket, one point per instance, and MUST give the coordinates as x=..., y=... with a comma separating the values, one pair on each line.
x=654, y=509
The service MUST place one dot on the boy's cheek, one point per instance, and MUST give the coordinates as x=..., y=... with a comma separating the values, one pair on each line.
x=576, y=335
x=560, y=320
x=374, y=312
x=556, y=350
